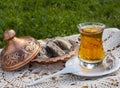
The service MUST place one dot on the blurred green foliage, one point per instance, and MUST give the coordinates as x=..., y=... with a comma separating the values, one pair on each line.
x=49, y=18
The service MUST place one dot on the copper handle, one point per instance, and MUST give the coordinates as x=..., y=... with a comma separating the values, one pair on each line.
x=9, y=34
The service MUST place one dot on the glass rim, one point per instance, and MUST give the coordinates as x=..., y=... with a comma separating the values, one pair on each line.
x=82, y=25
x=91, y=23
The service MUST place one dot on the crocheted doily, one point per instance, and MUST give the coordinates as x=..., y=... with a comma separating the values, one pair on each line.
x=35, y=71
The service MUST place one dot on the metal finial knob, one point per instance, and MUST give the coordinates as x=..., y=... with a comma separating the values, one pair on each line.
x=9, y=34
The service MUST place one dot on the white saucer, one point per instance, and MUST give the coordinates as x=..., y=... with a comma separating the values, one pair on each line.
x=99, y=71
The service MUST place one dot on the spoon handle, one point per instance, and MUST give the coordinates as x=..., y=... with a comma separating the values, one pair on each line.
x=65, y=70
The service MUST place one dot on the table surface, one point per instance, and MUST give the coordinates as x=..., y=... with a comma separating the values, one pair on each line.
x=35, y=71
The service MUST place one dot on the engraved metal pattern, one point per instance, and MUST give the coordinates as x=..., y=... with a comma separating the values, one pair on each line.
x=20, y=55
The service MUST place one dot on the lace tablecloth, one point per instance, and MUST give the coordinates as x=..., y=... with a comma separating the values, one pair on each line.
x=35, y=71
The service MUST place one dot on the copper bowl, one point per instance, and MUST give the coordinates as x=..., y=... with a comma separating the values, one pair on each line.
x=18, y=52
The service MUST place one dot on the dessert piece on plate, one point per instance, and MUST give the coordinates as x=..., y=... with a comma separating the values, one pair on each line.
x=56, y=49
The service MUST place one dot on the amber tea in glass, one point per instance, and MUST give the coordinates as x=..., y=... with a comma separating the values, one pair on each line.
x=91, y=52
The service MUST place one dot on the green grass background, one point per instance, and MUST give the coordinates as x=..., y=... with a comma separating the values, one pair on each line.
x=49, y=18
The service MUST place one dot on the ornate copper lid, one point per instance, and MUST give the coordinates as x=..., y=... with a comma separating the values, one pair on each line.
x=18, y=52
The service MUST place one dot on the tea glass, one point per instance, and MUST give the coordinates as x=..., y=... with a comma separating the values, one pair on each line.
x=91, y=52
